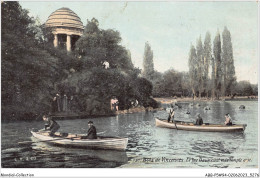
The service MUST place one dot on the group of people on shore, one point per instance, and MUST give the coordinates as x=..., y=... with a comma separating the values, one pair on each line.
x=61, y=103
x=199, y=120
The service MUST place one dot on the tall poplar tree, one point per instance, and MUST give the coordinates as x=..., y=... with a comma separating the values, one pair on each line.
x=207, y=60
x=200, y=65
x=213, y=78
x=228, y=63
x=218, y=63
x=148, y=65
x=193, y=69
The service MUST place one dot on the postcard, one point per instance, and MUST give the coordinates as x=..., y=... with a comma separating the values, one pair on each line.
x=135, y=84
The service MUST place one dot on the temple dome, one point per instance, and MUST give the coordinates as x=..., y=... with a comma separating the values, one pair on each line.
x=64, y=17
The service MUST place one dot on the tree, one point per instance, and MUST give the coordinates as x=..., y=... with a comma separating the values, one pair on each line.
x=218, y=64
x=185, y=85
x=94, y=81
x=28, y=72
x=148, y=65
x=97, y=46
x=172, y=82
x=228, y=63
x=200, y=65
x=244, y=88
x=213, y=77
x=193, y=70
x=207, y=60
x=158, y=84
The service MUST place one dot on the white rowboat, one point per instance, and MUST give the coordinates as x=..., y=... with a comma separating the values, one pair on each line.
x=112, y=143
x=203, y=128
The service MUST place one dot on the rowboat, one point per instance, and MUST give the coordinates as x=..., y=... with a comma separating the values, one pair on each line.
x=73, y=140
x=181, y=125
x=118, y=156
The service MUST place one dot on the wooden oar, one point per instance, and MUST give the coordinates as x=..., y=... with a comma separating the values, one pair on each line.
x=71, y=138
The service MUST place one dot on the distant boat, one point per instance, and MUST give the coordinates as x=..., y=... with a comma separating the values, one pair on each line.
x=242, y=107
x=181, y=125
x=72, y=140
x=207, y=108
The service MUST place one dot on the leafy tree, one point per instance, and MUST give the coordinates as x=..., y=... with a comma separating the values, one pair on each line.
x=255, y=89
x=28, y=72
x=193, y=70
x=244, y=88
x=207, y=60
x=228, y=63
x=213, y=77
x=148, y=62
x=157, y=83
x=218, y=64
x=185, y=85
x=172, y=80
x=98, y=84
x=200, y=65
x=97, y=46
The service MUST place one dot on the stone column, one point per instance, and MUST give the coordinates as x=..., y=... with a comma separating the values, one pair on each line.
x=68, y=43
x=55, y=41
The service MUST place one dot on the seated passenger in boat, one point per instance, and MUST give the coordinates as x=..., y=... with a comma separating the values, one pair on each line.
x=199, y=120
x=228, y=120
x=50, y=125
x=92, y=132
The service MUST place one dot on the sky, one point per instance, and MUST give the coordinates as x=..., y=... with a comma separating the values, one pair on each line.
x=170, y=28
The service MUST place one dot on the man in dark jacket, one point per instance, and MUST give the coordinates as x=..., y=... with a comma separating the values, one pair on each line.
x=50, y=125
x=92, y=133
x=199, y=120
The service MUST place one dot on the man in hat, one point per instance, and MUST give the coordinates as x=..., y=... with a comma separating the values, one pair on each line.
x=92, y=132
x=199, y=120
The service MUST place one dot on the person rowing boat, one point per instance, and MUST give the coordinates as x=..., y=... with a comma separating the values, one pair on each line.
x=228, y=120
x=50, y=125
x=171, y=114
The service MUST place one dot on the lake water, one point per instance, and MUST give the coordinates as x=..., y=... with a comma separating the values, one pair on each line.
x=148, y=145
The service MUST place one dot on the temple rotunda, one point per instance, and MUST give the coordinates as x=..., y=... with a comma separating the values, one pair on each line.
x=66, y=27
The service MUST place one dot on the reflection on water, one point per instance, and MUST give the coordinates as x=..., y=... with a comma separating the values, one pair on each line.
x=145, y=141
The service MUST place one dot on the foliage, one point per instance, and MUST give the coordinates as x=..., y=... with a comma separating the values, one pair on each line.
x=223, y=79
x=228, y=63
x=207, y=61
x=218, y=64
x=97, y=46
x=33, y=70
x=193, y=69
x=148, y=62
x=172, y=83
x=97, y=84
x=28, y=72
x=200, y=65
x=244, y=88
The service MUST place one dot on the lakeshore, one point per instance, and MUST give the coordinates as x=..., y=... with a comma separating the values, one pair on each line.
x=169, y=100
